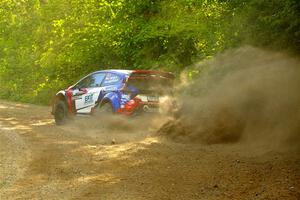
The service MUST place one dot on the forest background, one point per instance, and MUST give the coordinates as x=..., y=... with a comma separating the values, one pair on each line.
x=46, y=45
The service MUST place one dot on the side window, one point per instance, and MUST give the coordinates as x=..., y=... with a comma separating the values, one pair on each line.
x=111, y=79
x=85, y=83
x=93, y=80
x=97, y=79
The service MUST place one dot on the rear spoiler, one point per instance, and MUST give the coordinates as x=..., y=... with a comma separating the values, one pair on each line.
x=147, y=73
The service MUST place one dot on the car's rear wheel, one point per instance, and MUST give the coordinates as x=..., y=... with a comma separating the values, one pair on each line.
x=61, y=113
x=104, y=109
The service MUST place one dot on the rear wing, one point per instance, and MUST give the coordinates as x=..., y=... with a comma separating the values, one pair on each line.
x=151, y=74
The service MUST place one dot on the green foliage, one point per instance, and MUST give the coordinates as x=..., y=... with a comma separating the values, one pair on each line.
x=268, y=23
x=47, y=45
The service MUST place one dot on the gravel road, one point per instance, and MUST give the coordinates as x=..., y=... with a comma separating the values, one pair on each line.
x=39, y=160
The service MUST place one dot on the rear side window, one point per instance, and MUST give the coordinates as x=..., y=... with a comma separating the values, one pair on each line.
x=111, y=79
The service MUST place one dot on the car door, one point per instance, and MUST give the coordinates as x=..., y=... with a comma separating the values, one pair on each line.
x=89, y=90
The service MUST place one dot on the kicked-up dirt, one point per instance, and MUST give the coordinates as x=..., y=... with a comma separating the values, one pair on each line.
x=123, y=160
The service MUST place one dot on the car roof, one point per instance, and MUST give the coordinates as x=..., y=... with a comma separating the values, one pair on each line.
x=129, y=72
x=119, y=71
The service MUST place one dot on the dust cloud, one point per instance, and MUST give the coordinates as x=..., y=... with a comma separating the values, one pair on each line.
x=114, y=128
x=244, y=95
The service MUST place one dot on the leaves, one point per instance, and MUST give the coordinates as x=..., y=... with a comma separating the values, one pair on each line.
x=48, y=45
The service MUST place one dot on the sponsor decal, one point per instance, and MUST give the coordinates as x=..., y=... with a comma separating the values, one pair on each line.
x=88, y=99
x=111, y=78
x=124, y=99
x=111, y=88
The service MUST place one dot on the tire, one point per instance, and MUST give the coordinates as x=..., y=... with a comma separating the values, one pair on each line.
x=104, y=109
x=61, y=113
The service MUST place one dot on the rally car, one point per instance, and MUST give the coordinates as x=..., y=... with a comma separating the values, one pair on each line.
x=127, y=92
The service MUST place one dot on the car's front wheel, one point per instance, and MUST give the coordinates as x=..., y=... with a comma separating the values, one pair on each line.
x=61, y=113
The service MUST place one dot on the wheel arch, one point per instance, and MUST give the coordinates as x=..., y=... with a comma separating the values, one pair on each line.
x=60, y=96
x=111, y=98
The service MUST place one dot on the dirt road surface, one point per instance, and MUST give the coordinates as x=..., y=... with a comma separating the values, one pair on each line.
x=39, y=160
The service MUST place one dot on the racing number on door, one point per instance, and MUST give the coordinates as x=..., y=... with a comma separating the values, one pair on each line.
x=88, y=99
